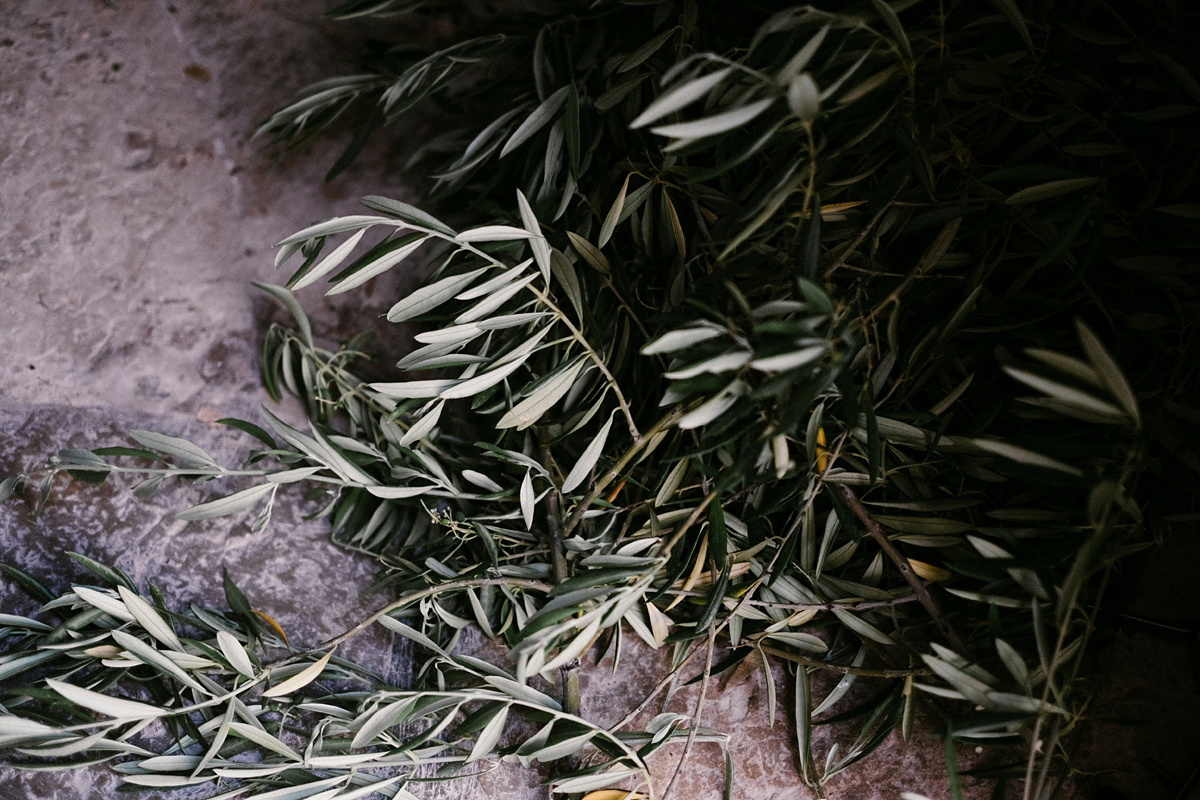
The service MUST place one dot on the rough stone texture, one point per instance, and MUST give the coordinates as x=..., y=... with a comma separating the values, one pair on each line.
x=134, y=214
x=136, y=211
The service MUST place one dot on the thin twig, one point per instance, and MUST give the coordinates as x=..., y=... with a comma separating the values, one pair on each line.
x=905, y=568
x=593, y=355
x=862, y=234
x=866, y=605
x=604, y=480
x=687, y=523
x=561, y=316
x=691, y=740
x=928, y=261
x=558, y=557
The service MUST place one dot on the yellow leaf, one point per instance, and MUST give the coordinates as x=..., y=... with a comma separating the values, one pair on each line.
x=822, y=455
x=833, y=208
x=697, y=568
x=706, y=578
x=613, y=794
x=928, y=571
x=275, y=626
x=799, y=618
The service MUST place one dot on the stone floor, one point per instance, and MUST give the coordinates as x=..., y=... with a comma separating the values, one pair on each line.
x=134, y=213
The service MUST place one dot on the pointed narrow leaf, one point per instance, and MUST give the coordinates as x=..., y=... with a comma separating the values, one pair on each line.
x=1021, y=455
x=787, y=361
x=893, y=23
x=330, y=262
x=159, y=781
x=576, y=648
x=862, y=627
x=564, y=273
x=1066, y=394
x=679, y=339
x=223, y=506
x=540, y=117
x=588, y=459
x=804, y=55
x=531, y=409
x=804, y=740
x=601, y=780
x=494, y=233
x=181, y=449
x=290, y=303
x=1108, y=370
x=590, y=253
x=300, y=679
x=474, y=386
x=330, y=227
x=481, y=480
x=383, y=718
x=970, y=687
x=1014, y=664
x=648, y=49
x=406, y=213
x=105, y=602
x=490, y=735
x=489, y=304
x=377, y=267
x=717, y=405
x=527, y=500
x=422, y=427
x=526, y=694
x=537, y=241
x=148, y=655
x=415, y=389
x=235, y=654
x=718, y=541
x=715, y=124
x=679, y=97
x=562, y=749
x=149, y=619
x=1046, y=191
x=263, y=739
x=430, y=297
x=391, y=623
x=492, y=285
x=1006, y=701
x=614, y=214
x=103, y=704
x=801, y=641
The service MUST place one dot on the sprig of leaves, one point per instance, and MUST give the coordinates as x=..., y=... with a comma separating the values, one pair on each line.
x=322, y=725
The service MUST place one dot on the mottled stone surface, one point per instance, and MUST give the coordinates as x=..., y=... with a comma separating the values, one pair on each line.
x=134, y=214
x=136, y=211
